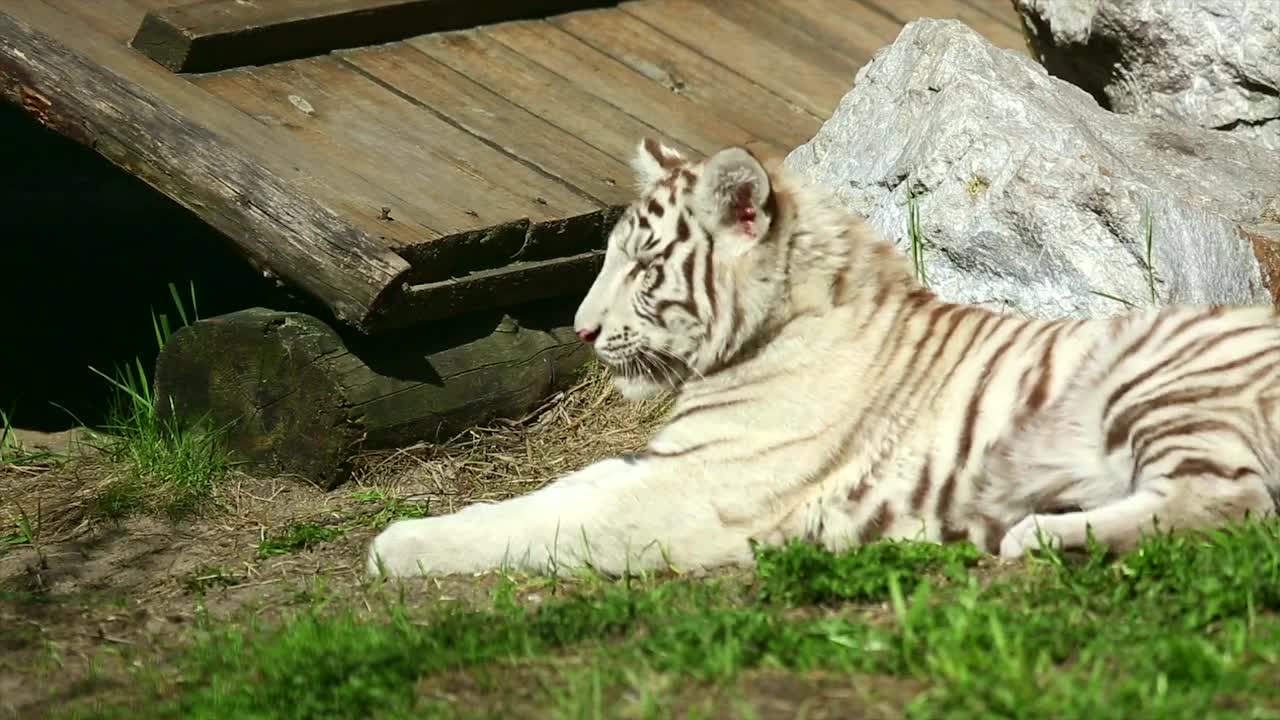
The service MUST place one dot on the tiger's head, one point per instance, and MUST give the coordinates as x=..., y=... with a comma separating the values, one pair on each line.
x=691, y=272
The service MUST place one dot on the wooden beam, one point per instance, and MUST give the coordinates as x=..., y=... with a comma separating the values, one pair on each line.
x=498, y=267
x=219, y=34
x=300, y=240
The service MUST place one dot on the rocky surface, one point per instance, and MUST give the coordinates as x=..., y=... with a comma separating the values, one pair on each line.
x=1033, y=198
x=1208, y=63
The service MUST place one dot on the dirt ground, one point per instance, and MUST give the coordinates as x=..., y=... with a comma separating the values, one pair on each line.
x=87, y=597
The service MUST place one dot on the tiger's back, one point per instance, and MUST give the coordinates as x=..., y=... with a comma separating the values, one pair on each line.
x=937, y=421
x=823, y=393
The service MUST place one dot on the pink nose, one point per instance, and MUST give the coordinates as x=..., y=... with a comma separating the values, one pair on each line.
x=588, y=335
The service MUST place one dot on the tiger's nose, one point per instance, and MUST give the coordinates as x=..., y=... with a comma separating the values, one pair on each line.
x=588, y=335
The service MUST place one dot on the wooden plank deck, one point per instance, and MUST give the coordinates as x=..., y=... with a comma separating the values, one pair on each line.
x=490, y=159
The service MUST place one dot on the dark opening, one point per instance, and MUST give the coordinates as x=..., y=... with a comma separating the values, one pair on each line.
x=86, y=252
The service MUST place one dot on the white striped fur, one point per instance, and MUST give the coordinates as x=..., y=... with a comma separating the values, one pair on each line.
x=824, y=394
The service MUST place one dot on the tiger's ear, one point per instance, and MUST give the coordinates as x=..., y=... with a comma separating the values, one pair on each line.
x=735, y=190
x=654, y=161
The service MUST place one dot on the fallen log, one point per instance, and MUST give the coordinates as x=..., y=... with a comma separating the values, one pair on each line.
x=293, y=396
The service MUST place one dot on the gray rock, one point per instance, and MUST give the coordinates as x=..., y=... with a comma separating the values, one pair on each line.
x=1031, y=197
x=1209, y=63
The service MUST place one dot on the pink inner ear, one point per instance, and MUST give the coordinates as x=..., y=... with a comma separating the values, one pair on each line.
x=744, y=210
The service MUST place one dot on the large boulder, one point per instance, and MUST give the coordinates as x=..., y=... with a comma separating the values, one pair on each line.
x=1209, y=63
x=1031, y=197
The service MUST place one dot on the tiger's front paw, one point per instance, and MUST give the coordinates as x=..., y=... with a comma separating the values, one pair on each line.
x=407, y=547
x=1026, y=535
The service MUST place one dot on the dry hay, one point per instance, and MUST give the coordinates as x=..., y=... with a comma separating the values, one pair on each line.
x=586, y=423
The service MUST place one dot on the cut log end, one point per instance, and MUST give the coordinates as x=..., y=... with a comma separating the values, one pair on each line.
x=291, y=396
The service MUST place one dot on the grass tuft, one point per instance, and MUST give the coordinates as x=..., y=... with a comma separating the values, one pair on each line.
x=166, y=467
x=378, y=508
x=14, y=454
x=11, y=450
x=1148, y=264
x=916, y=235
x=1148, y=235
x=297, y=537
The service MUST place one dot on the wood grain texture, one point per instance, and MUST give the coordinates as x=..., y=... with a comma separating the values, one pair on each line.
x=310, y=245
x=296, y=397
x=519, y=261
x=700, y=126
x=329, y=183
x=457, y=180
x=219, y=34
x=846, y=27
x=117, y=19
x=1001, y=10
x=750, y=51
x=493, y=118
x=777, y=28
x=996, y=31
x=539, y=91
x=681, y=70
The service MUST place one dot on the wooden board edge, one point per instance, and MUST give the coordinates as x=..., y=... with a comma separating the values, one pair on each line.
x=197, y=37
x=162, y=41
x=517, y=283
x=503, y=266
x=64, y=91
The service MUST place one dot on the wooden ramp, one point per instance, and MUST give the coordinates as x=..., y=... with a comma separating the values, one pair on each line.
x=401, y=160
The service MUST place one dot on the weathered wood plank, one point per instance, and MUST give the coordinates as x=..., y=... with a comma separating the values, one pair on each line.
x=219, y=34
x=355, y=198
x=702, y=128
x=696, y=24
x=688, y=73
x=1001, y=10
x=295, y=397
x=493, y=118
x=519, y=281
x=499, y=266
x=539, y=91
x=457, y=180
x=116, y=19
x=790, y=39
x=845, y=26
x=308, y=244
x=998, y=33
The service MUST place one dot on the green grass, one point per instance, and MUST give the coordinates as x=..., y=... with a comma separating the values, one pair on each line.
x=1185, y=627
x=382, y=508
x=379, y=509
x=25, y=531
x=205, y=578
x=916, y=235
x=12, y=452
x=167, y=467
x=296, y=537
x=1150, y=265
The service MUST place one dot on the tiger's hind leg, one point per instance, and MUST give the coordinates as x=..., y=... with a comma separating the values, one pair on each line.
x=1198, y=501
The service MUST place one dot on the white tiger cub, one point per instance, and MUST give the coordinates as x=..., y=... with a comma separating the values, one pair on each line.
x=824, y=394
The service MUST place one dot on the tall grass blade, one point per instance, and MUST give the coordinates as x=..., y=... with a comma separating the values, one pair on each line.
x=917, y=237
